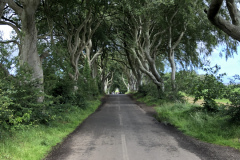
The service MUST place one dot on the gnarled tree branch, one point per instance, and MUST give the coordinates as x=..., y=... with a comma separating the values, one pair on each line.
x=15, y=7
x=232, y=29
x=11, y=25
x=2, y=5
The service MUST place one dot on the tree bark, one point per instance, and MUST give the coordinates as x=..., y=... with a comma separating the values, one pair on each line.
x=28, y=38
x=92, y=61
x=172, y=47
x=29, y=54
x=173, y=68
x=135, y=71
x=79, y=39
x=108, y=84
x=138, y=83
x=232, y=29
x=2, y=5
x=147, y=52
x=126, y=84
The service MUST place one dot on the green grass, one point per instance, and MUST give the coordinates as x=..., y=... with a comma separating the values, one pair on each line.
x=223, y=100
x=149, y=100
x=35, y=142
x=191, y=120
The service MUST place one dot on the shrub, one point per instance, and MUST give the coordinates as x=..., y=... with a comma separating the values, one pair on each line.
x=209, y=88
x=233, y=94
x=18, y=102
x=149, y=90
x=87, y=84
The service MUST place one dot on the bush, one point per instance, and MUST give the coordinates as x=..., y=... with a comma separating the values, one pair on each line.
x=233, y=94
x=185, y=80
x=192, y=120
x=150, y=90
x=209, y=88
x=18, y=102
x=87, y=84
x=5, y=113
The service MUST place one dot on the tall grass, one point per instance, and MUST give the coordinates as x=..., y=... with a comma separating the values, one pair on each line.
x=192, y=120
x=221, y=101
x=34, y=142
x=149, y=100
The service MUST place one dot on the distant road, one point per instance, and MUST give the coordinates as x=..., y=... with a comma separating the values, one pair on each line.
x=121, y=130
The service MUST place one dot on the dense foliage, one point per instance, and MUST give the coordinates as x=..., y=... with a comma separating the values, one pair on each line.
x=80, y=49
x=210, y=87
x=205, y=126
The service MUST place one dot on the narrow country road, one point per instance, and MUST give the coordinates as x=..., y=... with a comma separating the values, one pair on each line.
x=121, y=130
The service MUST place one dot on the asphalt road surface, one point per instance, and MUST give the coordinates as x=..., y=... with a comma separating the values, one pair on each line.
x=121, y=130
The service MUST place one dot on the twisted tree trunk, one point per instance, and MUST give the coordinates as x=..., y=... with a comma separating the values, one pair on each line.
x=26, y=10
x=29, y=54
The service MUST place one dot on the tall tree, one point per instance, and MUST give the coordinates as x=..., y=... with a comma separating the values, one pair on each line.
x=20, y=15
x=75, y=24
x=136, y=39
x=151, y=32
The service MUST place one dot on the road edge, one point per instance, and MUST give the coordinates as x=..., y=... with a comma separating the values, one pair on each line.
x=64, y=140
x=200, y=148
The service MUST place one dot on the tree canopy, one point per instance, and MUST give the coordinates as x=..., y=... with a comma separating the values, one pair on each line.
x=79, y=48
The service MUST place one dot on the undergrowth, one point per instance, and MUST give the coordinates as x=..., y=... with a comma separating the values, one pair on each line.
x=34, y=142
x=149, y=100
x=194, y=121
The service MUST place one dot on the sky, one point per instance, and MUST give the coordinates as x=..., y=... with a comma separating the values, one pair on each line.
x=6, y=31
x=231, y=66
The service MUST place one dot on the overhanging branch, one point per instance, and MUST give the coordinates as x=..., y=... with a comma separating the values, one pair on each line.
x=11, y=25
x=11, y=41
x=218, y=21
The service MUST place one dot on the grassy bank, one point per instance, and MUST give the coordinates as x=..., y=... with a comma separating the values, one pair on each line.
x=190, y=99
x=34, y=142
x=214, y=128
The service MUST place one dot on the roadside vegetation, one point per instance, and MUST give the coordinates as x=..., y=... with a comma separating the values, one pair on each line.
x=29, y=129
x=61, y=56
x=213, y=120
x=216, y=128
x=36, y=141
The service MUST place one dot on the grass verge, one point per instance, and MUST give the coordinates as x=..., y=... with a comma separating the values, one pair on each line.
x=191, y=120
x=214, y=128
x=148, y=100
x=35, y=142
x=190, y=99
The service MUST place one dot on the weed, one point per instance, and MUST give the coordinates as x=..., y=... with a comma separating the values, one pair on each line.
x=33, y=143
x=194, y=121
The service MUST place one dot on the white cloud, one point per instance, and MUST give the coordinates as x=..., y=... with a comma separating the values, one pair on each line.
x=230, y=66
